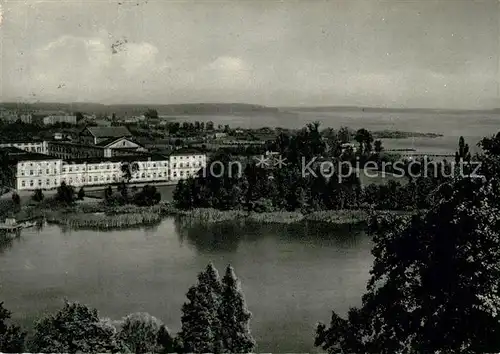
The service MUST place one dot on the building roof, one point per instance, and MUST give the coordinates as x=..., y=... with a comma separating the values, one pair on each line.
x=114, y=159
x=109, y=132
x=111, y=141
x=15, y=155
x=17, y=141
x=187, y=151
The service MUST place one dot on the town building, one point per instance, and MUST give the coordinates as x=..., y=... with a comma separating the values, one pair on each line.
x=54, y=119
x=97, y=135
x=32, y=170
x=185, y=163
x=40, y=147
x=101, y=171
x=107, y=148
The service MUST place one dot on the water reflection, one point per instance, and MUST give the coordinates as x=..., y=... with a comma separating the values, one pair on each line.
x=226, y=236
x=5, y=243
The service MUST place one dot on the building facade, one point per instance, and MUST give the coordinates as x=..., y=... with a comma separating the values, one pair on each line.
x=40, y=147
x=32, y=170
x=53, y=119
x=186, y=163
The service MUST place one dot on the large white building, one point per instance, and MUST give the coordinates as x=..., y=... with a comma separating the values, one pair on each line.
x=31, y=170
x=186, y=163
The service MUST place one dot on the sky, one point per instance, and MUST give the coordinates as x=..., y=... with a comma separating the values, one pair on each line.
x=392, y=53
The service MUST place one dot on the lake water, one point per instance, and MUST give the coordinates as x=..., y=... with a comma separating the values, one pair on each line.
x=292, y=276
x=472, y=125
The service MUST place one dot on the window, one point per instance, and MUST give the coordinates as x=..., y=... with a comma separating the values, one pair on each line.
x=70, y=180
x=31, y=183
x=114, y=177
x=154, y=165
x=39, y=172
x=47, y=171
x=95, y=178
x=187, y=165
x=76, y=168
x=107, y=178
x=124, y=143
x=181, y=165
x=182, y=173
x=154, y=175
x=47, y=182
x=31, y=172
x=21, y=172
x=143, y=175
x=175, y=165
x=175, y=174
x=107, y=167
x=39, y=182
x=70, y=169
x=23, y=184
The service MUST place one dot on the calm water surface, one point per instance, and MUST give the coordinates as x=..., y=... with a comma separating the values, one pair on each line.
x=292, y=276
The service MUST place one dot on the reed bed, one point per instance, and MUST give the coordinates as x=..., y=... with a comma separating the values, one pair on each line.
x=105, y=222
x=276, y=217
x=209, y=215
x=339, y=217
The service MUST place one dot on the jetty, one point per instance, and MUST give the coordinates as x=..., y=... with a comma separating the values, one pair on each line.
x=12, y=227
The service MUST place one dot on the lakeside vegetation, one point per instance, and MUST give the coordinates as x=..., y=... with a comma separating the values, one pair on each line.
x=291, y=187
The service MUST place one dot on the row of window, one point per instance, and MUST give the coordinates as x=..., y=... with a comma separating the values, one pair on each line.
x=187, y=157
x=31, y=172
x=108, y=178
x=42, y=163
x=181, y=165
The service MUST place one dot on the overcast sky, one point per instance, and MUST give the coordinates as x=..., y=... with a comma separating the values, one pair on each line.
x=436, y=54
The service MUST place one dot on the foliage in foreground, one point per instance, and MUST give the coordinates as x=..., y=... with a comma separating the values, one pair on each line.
x=215, y=319
x=435, y=280
x=11, y=336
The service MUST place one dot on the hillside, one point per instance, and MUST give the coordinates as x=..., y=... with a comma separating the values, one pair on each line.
x=135, y=109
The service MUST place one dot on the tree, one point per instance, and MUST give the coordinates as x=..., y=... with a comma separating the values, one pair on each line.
x=210, y=126
x=216, y=319
x=378, y=146
x=434, y=281
x=79, y=116
x=148, y=196
x=38, y=195
x=12, y=337
x=151, y=114
x=74, y=328
x=200, y=331
x=140, y=332
x=344, y=135
x=81, y=193
x=65, y=193
x=16, y=199
x=234, y=316
x=6, y=171
x=128, y=170
x=364, y=138
x=108, y=194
